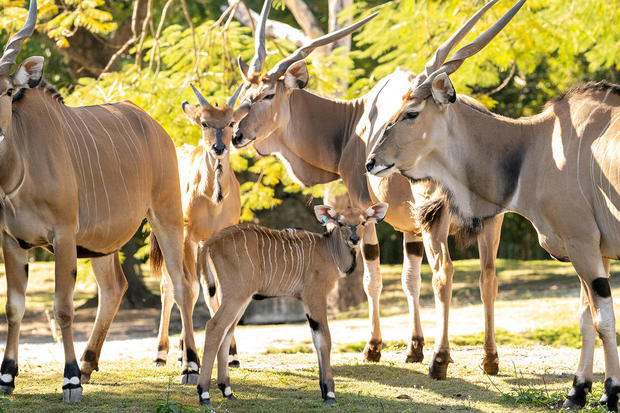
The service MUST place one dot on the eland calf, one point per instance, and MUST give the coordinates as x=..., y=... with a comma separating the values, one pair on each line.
x=559, y=169
x=256, y=262
x=211, y=202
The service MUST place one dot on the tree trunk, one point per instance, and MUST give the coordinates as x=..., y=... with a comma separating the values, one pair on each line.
x=137, y=295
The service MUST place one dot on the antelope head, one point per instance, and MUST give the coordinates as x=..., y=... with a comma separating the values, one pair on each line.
x=216, y=122
x=265, y=99
x=27, y=75
x=348, y=222
x=423, y=122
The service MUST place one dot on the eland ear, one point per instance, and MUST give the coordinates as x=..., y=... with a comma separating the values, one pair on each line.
x=325, y=214
x=29, y=73
x=442, y=89
x=243, y=68
x=192, y=112
x=376, y=212
x=296, y=76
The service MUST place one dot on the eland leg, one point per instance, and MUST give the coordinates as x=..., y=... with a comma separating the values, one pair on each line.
x=413, y=249
x=65, y=274
x=167, y=301
x=316, y=312
x=488, y=243
x=372, y=286
x=167, y=225
x=112, y=285
x=16, y=264
x=216, y=331
x=436, y=244
x=592, y=270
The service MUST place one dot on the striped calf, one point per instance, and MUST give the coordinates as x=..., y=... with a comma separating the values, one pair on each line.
x=253, y=261
x=211, y=201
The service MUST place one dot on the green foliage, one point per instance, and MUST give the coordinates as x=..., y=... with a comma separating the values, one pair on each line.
x=167, y=406
x=5, y=403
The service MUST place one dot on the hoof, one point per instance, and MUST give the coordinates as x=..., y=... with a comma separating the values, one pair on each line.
x=72, y=395
x=159, y=362
x=571, y=405
x=189, y=378
x=231, y=397
x=330, y=401
x=372, y=352
x=416, y=353
x=490, y=364
x=234, y=364
x=205, y=402
x=611, y=391
x=438, y=369
x=6, y=389
x=603, y=400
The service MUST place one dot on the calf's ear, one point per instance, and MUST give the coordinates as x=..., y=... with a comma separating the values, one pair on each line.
x=325, y=214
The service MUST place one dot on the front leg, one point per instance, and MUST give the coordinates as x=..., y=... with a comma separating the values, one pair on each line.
x=316, y=313
x=413, y=250
x=436, y=244
x=16, y=263
x=372, y=287
x=488, y=242
x=66, y=272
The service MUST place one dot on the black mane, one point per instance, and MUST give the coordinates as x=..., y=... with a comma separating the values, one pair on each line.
x=43, y=84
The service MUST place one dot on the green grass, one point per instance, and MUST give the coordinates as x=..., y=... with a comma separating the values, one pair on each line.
x=287, y=379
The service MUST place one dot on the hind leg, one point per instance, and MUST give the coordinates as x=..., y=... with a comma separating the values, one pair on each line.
x=167, y=301
x=212, y=299
x=372, y=287
x=167, y=225
x=112, y=285
x=316, y=312
x=216, y=331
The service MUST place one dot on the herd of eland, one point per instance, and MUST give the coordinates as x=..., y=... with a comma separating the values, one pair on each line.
x=78, y=181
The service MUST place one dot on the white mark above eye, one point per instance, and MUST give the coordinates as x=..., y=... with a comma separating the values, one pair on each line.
x=1, y=138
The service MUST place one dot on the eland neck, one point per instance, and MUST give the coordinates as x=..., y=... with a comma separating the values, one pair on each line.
x=486, y=160
x=341, y=253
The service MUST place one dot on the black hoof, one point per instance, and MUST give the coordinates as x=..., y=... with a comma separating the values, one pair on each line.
x=372, y=352
x=205, y=402
x=159, y=362
x=7, y=389
x=234, y=364
x=611, y=391
x=438, y=369
x=330, y=401
x=576, y=399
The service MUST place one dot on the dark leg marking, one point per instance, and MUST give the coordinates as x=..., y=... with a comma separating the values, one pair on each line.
x=91, y=357
x=222, y=388
x=26, y=270
x=203, y=402
x=232, y=350
x=372, y=352
x=601, y=287
x=417, y=350
x=71, y=370
x=8, y=367
x=314, y=325
x=415, y=248
x=211, y=290
x=162, y=347
x=612, y=395
x=438, y=369
x=370, y=252
x=577, y=395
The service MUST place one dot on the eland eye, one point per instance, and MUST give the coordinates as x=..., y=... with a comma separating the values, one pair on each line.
x=9, y=92
x=268, y=97
x=204, y=124
x=411, y=115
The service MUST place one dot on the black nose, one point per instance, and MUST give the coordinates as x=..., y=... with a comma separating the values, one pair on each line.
x=237, y=136
x=218, y=149
x=370, y=164
x=355, y=238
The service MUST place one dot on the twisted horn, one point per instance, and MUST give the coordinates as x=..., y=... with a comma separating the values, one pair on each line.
x=15, y=42
x=442, y=51
x=259, y=40
x=201, y=99
x=305, y=50
x=449, y=67
x=231, y=101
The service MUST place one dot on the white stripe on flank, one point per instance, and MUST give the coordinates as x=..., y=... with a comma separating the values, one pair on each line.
x=245, y=243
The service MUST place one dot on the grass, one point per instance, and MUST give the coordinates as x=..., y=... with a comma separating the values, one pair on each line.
x=286, y=379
